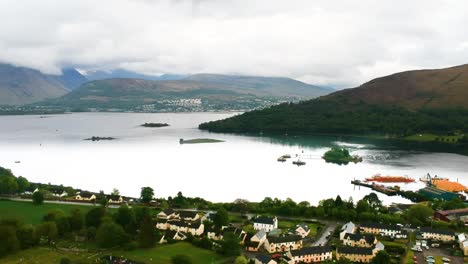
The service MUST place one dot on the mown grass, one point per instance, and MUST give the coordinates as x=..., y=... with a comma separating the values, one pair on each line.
x=160, y=254
x=32, y=214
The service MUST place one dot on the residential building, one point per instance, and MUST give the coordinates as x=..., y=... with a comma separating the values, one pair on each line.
x=348, y=228
x=196, y=228
x=310, y=255
x=264, y=259
x=302, y=229
x=283, y=243
x=114, y=199
x=265, y=223
x=394, y=231
x=85, y=196
x=166, y=214
x=253, y=243
x=437, y=234
x=58, y=192
x=358, y=254
x=452, y=215
x=463, y=240
x=359, y=240
x=174, y=235
x=189, y=215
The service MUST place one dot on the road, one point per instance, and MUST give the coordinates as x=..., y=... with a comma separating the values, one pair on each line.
x=330, y=227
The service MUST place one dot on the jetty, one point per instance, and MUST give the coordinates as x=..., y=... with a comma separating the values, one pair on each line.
x=376, y=187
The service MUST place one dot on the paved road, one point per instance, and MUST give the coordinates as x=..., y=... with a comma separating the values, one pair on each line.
x=330, y=227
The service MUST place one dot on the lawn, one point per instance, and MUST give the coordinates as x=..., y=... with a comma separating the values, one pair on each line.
x=163, y=254
x=409, y=257
x=158, y=255
x=32, y=214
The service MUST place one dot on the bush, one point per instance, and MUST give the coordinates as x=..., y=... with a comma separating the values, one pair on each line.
x=181, y=259
x=38, y=197
x=65, y=261
x=111, y=235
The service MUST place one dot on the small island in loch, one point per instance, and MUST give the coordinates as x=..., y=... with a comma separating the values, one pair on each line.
x=93, y=138
x=155, y=125
x=340, y=156
x=199, y=140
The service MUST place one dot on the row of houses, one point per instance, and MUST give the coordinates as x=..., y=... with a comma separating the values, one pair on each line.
x=303, y=255
x=81, y=196
x=360, y=244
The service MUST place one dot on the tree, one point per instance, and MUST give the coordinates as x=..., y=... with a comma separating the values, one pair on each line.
x=147, y=235
x=47, y=230
x=115, y=191
x=27, y=236
x=240, y=260
x=221, y=218
x=181, y=259
x=141, y=212
x=124, y=216
x=94, y=216
x=419, y=214
x=76, y=219
x=8, y=241
x=373, y=200
x=38, y=197
x=382, y=257
x=230, y=245
x=147, y=194
x=111, y=235
x=23, y=184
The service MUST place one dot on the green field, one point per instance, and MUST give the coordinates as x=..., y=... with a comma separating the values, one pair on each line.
x=32, y=214
x=159, y=255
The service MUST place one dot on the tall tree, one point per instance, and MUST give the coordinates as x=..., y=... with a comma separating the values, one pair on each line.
x=115, y=191
x=147, y=194
x=147, y=235
x=94, y=216
x=230, y=245
x=47, y=230
x=221, y=218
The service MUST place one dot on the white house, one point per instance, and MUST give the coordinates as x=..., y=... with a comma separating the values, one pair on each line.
x=302, y=229
x=394, y=231
x=265, y=223
x=310, y=255
x=437, y=234
x=85, y=196
x=348, y=228
x=463, y=240
x=114, y=199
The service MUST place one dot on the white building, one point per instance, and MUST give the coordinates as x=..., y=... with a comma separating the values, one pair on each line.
x=266, y=224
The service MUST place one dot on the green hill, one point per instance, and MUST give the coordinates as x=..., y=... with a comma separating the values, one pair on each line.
x=212, y=89
x=398, y=105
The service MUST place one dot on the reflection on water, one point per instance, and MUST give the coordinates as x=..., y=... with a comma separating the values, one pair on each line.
x=244, y=166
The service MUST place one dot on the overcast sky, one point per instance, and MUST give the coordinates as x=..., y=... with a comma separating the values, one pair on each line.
x=339, y=43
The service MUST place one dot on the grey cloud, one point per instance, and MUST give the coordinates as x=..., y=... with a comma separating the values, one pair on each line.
x=341, y=43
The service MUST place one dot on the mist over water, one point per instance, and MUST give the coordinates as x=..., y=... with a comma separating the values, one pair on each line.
x=52, y=149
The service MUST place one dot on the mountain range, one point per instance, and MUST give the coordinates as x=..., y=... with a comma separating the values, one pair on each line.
x=101, y=89
x=400, y=104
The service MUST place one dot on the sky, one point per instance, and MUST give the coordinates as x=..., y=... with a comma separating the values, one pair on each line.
x=338, y=43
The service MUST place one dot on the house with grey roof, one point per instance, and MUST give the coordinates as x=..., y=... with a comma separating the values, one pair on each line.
x=265, y=223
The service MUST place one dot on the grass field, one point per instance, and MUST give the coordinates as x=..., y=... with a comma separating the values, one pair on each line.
x=158, y=255
x=32, y=214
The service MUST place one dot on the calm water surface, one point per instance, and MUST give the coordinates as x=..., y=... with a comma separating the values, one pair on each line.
x=52, y=150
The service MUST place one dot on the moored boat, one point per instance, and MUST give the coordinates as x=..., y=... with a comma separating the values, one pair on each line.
x=393, y=179
x=299, y=162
